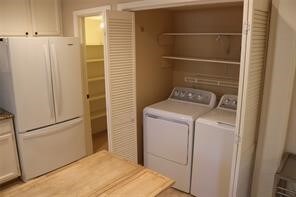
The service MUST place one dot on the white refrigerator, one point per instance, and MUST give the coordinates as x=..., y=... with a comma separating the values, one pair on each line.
x=40, y=83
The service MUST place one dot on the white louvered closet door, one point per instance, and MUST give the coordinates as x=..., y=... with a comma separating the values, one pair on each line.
x=120, y=72
x=254, y=44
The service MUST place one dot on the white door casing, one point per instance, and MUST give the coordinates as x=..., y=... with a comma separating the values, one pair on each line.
x=78, y=24
x=120, y=73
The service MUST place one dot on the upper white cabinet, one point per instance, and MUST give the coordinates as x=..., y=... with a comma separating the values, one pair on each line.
x=46, y=15
x=15, y=18
x=30, y=17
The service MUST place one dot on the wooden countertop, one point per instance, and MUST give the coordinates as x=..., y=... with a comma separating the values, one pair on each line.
x=101, y=174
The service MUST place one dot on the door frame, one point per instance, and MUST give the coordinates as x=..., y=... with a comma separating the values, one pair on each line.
x=78, y=32
x=78, y=15
x=155, y=4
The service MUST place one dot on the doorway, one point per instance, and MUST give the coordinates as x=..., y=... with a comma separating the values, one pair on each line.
x=95, y=79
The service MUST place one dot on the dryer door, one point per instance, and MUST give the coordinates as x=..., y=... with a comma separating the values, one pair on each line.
x=167, y=139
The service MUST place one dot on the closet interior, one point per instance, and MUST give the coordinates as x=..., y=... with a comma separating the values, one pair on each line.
x=197, y=46
x=94, y=67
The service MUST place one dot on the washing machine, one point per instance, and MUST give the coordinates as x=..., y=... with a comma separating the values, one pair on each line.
x=213, y=150
x=169, y=130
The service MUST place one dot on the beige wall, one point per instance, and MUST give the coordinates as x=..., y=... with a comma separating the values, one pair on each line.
x=277, y=97
x=154, y=83
x=208, y=19
x=94, y=33
x=291, y=138
x=68, y=6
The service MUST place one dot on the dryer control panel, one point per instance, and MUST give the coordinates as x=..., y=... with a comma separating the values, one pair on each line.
x=228, y=102
x=194, y=96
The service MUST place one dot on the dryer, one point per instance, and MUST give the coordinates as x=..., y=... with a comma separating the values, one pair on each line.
x=169, y=130
x=213, y=150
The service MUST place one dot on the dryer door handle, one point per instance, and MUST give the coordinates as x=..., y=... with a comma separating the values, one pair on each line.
x=223, y=123
x=167, y=119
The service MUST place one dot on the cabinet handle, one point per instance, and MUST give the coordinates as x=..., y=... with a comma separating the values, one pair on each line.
x=27, y=33
x=36, y=33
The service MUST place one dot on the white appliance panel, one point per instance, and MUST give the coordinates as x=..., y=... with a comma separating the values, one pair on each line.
x=179, y=173
x=31, y=75
x=166, y=139
x=49, y=148
x=66, y=74
x=212, y=159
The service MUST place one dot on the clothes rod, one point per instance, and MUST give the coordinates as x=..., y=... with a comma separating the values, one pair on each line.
x=201, y=60
x=202, y=34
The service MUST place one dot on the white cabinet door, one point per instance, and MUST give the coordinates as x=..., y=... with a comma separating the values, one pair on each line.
x=31, y=77
x=66, y=73
x=46, y=17
x=14, y=18
x=120, y=72
x=9, y=161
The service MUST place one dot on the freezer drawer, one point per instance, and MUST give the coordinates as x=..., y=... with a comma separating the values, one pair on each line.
x=49, y=148
x=166, y=139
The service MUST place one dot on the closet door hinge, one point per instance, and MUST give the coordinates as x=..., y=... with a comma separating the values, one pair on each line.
x=246, y=28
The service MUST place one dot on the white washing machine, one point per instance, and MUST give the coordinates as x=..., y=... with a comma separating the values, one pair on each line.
x=213, y=150
x=169, y=130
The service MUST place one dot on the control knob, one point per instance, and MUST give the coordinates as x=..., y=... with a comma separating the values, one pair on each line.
x=182, y=94
x=190, y=95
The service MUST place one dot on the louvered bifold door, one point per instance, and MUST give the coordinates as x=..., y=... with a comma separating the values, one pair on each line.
x=254, y=44
x=120, y=74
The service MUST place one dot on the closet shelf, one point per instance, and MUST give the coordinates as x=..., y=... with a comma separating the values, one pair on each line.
x=202, y=34
x=94, y=98
x=97, y=114
x=94, y=60
x=202, y=60
x=95, y=79
x=94, y=45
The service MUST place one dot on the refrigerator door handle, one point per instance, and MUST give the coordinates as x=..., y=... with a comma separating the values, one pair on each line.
x=54, y=129
x=49, y=82
x=57, y=81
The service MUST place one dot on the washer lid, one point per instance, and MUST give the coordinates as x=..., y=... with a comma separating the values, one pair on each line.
x=177, y=109
x=219, y=116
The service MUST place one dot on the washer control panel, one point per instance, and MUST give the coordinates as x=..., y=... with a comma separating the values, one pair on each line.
x=194, y=96
x=228, y=102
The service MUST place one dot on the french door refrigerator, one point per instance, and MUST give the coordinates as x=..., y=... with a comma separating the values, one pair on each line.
x=41, y=84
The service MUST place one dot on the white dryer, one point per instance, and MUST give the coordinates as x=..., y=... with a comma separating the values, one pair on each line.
x=213, y=150
x=169, y=131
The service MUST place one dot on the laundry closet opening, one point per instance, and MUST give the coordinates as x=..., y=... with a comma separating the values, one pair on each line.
x=95, y=80
x=197, y=46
